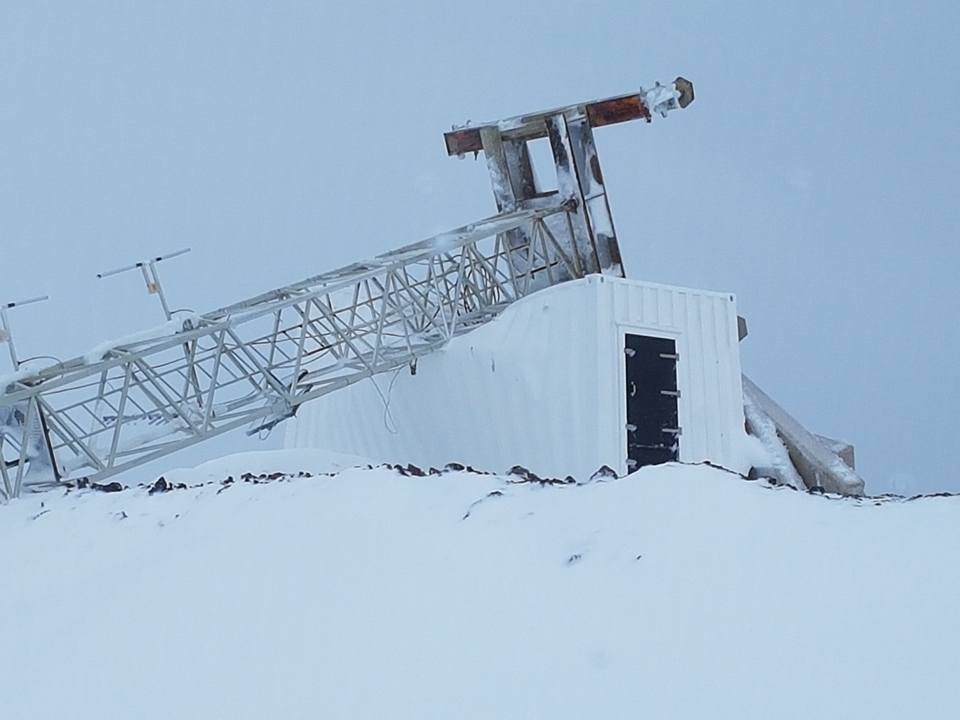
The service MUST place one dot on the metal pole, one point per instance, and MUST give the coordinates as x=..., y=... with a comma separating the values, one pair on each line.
x=151, y=277
x=158, y=289
x=6, y=333
x=7, y=337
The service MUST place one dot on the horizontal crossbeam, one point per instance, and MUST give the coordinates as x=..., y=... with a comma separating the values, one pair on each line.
x=622, y=108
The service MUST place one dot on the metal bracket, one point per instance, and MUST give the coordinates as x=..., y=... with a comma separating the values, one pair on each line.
x=151, y=276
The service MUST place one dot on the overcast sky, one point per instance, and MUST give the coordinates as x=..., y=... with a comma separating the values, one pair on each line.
x=815, y=176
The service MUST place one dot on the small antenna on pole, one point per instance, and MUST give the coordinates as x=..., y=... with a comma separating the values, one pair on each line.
x=6, y=333
x=151, y=276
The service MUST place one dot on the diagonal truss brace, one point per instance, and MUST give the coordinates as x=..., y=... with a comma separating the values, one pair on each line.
x=254, y=363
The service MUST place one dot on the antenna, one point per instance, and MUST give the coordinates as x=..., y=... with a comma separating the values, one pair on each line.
x=6, y=333
x=258, y=360
x=151, y=276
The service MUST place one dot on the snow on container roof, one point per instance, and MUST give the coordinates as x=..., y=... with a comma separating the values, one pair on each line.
x=545, y=386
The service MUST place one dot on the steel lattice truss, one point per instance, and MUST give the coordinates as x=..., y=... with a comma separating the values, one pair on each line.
x=256, y=362
x=253, y=363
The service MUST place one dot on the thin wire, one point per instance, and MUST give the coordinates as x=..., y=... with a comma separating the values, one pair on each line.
x=42, y=357
x=385, y=399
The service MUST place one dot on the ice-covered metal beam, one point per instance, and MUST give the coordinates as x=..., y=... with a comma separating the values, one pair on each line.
x=818, y=465
x=641, y=105
x=255, y=362
x=579, y=179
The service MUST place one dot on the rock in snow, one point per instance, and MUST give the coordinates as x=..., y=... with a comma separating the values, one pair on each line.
x=311, y=590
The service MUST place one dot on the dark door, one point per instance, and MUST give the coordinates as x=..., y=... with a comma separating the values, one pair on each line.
x=653, y=435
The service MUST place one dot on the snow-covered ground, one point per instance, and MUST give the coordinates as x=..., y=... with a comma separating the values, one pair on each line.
x=679, y=592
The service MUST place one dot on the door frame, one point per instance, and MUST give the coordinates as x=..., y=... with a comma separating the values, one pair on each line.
x=679, y=339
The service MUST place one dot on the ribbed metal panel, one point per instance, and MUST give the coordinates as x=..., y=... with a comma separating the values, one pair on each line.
x=543, y=386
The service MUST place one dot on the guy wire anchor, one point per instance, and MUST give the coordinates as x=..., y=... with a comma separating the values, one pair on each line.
x=151, y=277
x=6, y=333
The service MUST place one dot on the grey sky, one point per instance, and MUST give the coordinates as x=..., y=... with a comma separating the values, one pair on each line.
x=815, y=175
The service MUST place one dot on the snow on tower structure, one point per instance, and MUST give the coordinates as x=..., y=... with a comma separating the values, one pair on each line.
x=592, y=372
x=532, y=347
x=580, y=184
x=600, y=371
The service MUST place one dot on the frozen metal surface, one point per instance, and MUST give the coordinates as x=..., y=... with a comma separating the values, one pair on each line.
x=254, y=363
x=544, y=386
x=818, y=465
x=640, y=105
x=579, y=179
x=704, y=324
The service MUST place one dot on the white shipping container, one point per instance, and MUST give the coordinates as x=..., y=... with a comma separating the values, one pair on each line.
x=546, y=386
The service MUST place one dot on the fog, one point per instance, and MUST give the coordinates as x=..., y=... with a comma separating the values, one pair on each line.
x=814, y=176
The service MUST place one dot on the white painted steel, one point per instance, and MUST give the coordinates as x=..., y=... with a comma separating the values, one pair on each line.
x=818, y=464
x=255, y=362
x=543, y=386
x=140, y=398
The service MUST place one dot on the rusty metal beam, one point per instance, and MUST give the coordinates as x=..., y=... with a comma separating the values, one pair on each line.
x=609, y=111
x=461, y=142
x=617, y=110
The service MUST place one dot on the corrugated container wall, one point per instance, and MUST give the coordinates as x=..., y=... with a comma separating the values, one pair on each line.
x=544, y=386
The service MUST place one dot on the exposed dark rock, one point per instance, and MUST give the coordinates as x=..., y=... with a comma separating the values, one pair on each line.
x=491, y=494
x=160, y=486
x=524, y=474
x=528, y=476
x=110, y=487
x=604, y=473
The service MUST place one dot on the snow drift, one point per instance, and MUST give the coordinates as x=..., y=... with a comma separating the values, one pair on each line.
x=265, y=588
